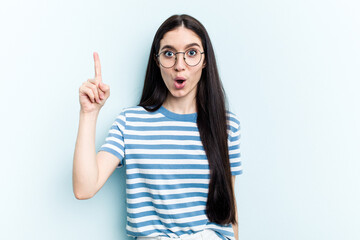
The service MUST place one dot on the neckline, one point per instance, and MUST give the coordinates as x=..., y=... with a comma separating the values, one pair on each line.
x=177, y=116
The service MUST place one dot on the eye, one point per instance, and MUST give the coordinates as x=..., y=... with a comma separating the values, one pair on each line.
x=192, y=52
x=168, y=54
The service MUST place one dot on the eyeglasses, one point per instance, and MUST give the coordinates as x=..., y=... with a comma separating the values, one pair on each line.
x=167, y=58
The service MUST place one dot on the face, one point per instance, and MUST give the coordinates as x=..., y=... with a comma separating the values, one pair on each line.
x=181, y=80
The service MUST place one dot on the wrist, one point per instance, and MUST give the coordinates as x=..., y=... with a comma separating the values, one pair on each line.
x=93, y=114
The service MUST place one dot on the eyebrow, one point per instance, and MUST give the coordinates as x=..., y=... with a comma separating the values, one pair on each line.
x=187, y=46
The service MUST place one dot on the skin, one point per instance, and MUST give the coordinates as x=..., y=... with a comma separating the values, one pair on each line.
x=91, y=170
x=93, y=93
x=235, y=227
x=183, y=100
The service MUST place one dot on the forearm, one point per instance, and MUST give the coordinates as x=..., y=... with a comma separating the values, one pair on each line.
x=85, y=169
x=235, y=227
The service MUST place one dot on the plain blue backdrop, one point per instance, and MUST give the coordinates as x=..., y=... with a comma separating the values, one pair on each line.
x=290, y=69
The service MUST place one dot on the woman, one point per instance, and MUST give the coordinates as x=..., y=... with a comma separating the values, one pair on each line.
x=180, y=144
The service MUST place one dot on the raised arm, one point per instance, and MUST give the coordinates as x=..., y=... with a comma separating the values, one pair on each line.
x=91, y=170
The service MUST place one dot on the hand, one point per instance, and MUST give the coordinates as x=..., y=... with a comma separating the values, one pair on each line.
x=93, y=93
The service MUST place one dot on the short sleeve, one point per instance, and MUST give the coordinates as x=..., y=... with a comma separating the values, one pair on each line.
x=114, y=142
x=234, y=144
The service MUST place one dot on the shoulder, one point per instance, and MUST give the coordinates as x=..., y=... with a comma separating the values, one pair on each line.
x=233, y=121
x=125, y=113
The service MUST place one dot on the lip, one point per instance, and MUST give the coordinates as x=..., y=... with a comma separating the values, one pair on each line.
x=179, y=85
x=179, y=78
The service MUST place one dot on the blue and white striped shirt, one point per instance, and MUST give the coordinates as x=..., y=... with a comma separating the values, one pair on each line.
x=167, y=171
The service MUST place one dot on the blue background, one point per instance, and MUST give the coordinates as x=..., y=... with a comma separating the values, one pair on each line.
x=291, y=72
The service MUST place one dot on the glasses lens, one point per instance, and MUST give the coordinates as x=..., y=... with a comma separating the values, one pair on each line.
x=192, y=57
x=167, y=59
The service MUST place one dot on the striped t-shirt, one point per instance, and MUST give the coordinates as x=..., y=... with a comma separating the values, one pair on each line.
x=167, y=171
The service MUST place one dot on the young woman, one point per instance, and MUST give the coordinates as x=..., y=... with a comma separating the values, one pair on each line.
x=180, y=145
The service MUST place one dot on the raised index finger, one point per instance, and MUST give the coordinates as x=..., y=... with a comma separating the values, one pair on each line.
x=97, y=65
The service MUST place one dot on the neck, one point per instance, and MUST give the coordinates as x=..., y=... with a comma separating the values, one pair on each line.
x=180, y=105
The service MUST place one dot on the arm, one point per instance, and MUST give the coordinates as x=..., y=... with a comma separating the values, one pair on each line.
x=235, y=227
x=90, y=171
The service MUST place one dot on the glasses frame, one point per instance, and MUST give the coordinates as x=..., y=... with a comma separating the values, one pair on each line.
x=158, y=55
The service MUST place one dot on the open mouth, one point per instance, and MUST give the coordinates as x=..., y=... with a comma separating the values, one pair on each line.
x=180, y=81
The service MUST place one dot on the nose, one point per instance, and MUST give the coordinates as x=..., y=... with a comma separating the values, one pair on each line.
x=180, y=63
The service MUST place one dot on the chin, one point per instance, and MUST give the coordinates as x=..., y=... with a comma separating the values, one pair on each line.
x=178, y=94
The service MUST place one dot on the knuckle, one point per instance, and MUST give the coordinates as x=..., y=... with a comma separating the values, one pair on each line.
x=90, y=92
x=93, y=87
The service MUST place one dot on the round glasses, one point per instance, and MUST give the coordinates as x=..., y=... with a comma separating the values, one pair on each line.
x=167, y=58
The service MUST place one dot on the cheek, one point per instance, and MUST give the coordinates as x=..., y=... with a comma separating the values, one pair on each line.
x=198, y=73
x=163, y=73
x=165, y=76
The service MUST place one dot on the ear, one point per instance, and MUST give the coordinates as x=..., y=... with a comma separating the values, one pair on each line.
x=204, y=64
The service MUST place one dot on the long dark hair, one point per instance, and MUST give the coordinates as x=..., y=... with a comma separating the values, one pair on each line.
x=211, y=117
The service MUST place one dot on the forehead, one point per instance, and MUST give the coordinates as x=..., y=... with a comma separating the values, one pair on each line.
x=179, y=38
